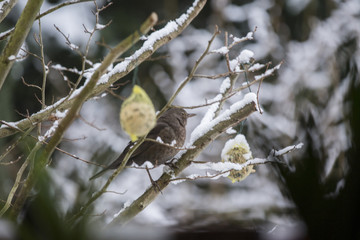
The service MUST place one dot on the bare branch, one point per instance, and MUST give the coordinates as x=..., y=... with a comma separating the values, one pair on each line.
x=90, y=124
x=168, y=145
x=236, y=40
x=60, y=6
x=11, y=162
x=30, y=85
x=78, y=158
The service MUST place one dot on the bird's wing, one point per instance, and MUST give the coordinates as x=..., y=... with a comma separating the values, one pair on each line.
x=114, y=164
x=162, y=130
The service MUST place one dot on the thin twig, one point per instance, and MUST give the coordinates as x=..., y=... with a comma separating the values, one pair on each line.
x=13, y=145
x=60, y=6
x=78, y=158
x=11, y=162
x=90, y=124
x=221, y=75
x=118, y=193
x=227, y=96
x=243, y=39
x=167, y=145
x=191, y=74
x=30, y=85
x=257, y=96
x=227, y=54
x=19, y=175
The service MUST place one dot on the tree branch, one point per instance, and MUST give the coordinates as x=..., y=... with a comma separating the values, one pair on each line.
x=6, y=8
x=17, y=38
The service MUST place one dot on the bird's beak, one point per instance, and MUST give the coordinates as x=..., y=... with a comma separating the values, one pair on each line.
x=190, y=115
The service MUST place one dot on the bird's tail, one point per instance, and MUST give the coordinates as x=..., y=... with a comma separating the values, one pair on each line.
x=99, y=173
x=114, y=164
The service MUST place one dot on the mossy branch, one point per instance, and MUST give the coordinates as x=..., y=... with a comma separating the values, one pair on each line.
x=17, y=38
x=6, y=8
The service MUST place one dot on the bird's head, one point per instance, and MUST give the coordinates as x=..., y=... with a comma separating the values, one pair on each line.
x=176, y=114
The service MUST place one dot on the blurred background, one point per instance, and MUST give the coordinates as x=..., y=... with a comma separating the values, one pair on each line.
x=314, y=99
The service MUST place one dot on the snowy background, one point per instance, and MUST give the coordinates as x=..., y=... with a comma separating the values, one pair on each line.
x=319, y=43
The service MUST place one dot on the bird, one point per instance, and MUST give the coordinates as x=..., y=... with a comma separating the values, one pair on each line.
x=137, y=114
x=171, y=128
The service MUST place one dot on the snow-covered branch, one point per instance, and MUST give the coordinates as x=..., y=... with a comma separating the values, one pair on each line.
x=153, y=42
x=201, y=137
x=223, y=169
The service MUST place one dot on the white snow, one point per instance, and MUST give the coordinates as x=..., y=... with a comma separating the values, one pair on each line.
x=256, y=67
x=177, y=181
x=158, y=139
x=245, y=56
x=173, y=143
x=288, y=149
x=223, y=50
x=99, y=26
x=6, y=32
x=231, y=131
x=49, y=132
x=210, y=114
x=249, y=36
x=62, y=68
x=60, y=114
x=126, y=204
x=3, y=3
x=12, y=124
x=146, y=164
x=73, y=46
x=225, y=85
x=267, y=72
x=238, y=140
x=11, y=58
x=205, y=126
x=143, y=38
x=226, y=166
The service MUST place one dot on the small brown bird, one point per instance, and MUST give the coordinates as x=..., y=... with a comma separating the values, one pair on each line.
x=170, y=127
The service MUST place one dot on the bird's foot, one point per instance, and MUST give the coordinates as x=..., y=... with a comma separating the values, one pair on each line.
x=171, y=164
x=154, y=183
